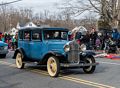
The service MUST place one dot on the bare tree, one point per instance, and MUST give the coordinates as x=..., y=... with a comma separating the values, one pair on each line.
x=118, y=8
x=107, y=9
x=6, y=3
x=10, y=16
x=5, y=16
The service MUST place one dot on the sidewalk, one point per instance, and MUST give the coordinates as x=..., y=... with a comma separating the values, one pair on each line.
x=102, y=54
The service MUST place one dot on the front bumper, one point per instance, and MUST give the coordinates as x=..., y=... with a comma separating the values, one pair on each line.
x=3, y=51
x=77, y=65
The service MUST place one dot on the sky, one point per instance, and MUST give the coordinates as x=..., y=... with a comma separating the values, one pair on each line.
x=39, y=5
x=36, y=5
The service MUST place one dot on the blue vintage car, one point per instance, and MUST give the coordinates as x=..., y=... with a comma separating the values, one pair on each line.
x=51, y=47
x=3, y=49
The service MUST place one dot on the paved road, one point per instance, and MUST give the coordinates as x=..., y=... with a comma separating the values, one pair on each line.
x=105, y=76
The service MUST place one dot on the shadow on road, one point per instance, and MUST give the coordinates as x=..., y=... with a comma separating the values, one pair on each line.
x=69, y=71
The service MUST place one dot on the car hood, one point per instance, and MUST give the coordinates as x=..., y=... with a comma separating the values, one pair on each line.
x=3, y=44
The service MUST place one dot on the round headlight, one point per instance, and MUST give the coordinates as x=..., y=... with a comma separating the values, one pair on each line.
x=83, y=47
x=66, y=48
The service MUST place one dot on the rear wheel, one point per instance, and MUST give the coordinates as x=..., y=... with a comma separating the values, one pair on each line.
x=89, y=69
x=19, y=61
x=53, y=66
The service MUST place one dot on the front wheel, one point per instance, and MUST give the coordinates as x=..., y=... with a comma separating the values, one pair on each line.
x=19, y=61
x=89, y=69
x=53, y=66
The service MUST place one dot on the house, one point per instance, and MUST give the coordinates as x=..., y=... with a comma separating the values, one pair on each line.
x=29, y=24
x=13, y=31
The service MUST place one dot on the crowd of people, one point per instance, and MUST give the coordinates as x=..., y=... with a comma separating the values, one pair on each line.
x=94, y=40
x=97, y=40
x=11, y=40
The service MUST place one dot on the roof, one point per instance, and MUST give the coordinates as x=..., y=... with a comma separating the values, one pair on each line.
x=43, y=28
x=23, y=24
x=30, y=24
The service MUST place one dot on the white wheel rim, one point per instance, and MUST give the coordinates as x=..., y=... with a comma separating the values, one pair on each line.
x=19, y=60
x=51, y=66
x=90, y=62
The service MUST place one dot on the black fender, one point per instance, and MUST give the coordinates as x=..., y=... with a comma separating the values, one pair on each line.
x=53, y=53
x=87, y=54
x=19, y=50
x=57, y=54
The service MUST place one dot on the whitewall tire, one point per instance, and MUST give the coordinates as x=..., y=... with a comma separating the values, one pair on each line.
x=19, y=61
x=53, y=66
x=89, y=69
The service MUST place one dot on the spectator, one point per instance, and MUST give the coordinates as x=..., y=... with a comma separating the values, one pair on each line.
x=3, y=38
x=98, y=43
x=13, y=42
x=115, y=34
x=93, y=36
x=86, y=40
x=0, y=36
x=16, y=40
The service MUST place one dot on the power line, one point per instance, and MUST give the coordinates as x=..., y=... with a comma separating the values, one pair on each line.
x=9, y=2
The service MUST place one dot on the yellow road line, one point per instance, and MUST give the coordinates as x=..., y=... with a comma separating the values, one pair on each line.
x=76, y=80
x=80, y=82
x=64, y=78
x=87, y=82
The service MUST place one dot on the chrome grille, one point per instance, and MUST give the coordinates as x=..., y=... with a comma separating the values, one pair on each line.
x=73, y=54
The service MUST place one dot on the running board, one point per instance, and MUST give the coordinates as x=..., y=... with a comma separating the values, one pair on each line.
x=78, y=65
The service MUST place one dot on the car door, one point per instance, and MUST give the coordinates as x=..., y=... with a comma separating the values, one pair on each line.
x=36, y=45
x=26, y=42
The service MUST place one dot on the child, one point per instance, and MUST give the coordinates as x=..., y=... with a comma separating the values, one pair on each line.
x=98, y=44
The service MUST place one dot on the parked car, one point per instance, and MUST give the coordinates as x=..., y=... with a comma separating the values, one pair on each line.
x=3, y=49
x=51, y=47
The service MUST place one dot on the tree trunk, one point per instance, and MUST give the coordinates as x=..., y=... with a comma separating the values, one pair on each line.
x=119, y=15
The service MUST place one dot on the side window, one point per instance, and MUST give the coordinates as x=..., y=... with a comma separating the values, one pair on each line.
x=27, y=35
x=36, y=35
x=20, y=34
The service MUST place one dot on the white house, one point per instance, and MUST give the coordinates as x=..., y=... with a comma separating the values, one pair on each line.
x=13, y=31
x=29, y=24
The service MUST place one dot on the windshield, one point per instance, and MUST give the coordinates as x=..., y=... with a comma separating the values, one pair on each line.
x=55, y=35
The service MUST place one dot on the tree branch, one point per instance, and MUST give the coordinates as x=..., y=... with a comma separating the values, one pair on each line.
x=93, y=5
x=10, y=2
